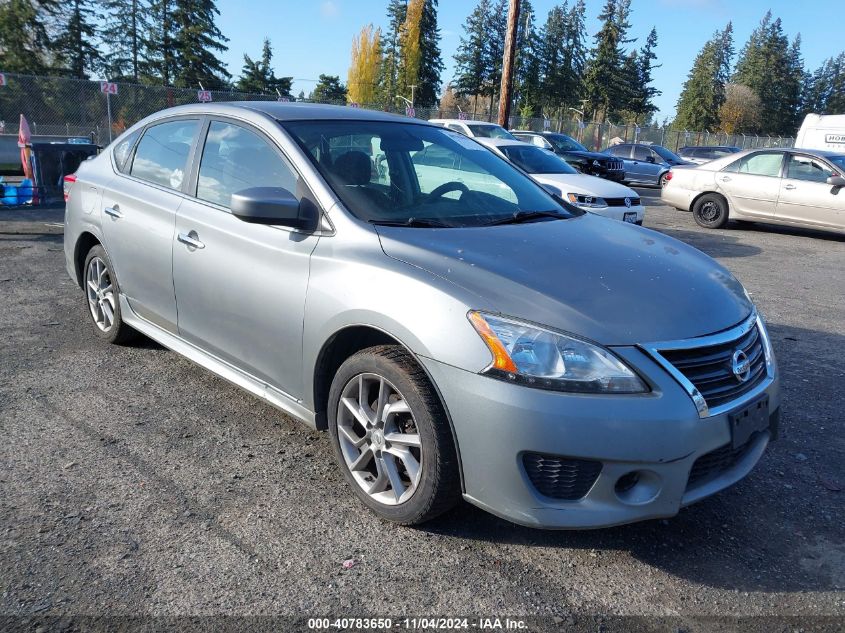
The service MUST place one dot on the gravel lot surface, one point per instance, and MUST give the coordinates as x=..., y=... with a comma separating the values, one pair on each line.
x=135, y=483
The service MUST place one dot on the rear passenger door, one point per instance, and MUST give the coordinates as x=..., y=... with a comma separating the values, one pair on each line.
x=240, y=287
x=752, y=183
x=139, y=214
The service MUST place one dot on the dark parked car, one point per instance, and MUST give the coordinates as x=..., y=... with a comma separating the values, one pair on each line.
x=570, y=150
x=705, y=153
x=646, y=164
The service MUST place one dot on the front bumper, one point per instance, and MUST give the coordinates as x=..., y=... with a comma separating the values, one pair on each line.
x=658, y=434
x=618, y=213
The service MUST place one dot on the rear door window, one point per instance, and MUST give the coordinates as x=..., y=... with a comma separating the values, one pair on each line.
x=763, y=164
x=162, y=154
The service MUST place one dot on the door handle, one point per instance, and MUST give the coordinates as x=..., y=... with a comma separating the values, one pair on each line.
x=725, y=178
x=191, y=239
x=113, y=212
x=790, y=187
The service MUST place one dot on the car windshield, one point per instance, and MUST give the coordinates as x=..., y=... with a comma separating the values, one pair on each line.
x=665, y=154
x=536, y=160
x=838, y=161
x=490, y=131
x=563, y=143
x=417, y=175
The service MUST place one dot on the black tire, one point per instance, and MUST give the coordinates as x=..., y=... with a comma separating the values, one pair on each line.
x=711, y=211
x=118, y=332
x=438, y=489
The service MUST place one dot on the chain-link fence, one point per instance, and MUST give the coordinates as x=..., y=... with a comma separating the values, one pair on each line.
x=62, y=107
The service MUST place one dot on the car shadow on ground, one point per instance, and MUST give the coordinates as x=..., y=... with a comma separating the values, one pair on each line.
x=725, y=244
x=759, y=227
x=778, y=530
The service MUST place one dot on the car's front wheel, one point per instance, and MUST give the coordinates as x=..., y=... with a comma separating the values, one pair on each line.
x=391, y=436
x=102, y=293
x=711, y=211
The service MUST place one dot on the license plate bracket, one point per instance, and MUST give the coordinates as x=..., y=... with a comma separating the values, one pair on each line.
x=749, y=420
x=630, y=216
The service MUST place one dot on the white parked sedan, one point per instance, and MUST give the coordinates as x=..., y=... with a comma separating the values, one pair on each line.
x=598, y=195
x=796, y=187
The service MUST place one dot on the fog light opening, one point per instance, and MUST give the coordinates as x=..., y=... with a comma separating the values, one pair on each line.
x=638, y=487
x=626, y=482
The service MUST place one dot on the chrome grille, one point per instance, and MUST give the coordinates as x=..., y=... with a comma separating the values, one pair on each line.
x=561, y=477
x=709, y=368
x=613, y=165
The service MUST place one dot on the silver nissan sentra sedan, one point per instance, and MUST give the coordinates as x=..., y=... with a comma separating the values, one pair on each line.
x=459, y=331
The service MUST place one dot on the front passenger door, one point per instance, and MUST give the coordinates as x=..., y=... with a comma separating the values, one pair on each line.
x=240, y=287
x=806, y=197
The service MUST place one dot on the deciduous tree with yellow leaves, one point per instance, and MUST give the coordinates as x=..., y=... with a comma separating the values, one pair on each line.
x=409, y=44
x=366, y=64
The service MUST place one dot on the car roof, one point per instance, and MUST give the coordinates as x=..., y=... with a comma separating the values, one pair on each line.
x=289, y=111
x=465, y=121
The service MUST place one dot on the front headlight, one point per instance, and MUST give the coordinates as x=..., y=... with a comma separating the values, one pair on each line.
x=585, y=201
x=538, y=357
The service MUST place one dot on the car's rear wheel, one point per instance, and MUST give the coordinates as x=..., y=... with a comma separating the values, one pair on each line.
x=101, y=293
x=663, y=180
x=391, y=437
x=711, y=211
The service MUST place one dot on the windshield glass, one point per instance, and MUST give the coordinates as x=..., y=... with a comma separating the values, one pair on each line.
x=838, y=161
x=490, y=131
x=563, y=143
x=401, y=173
x=536, y=160
x=665, y=154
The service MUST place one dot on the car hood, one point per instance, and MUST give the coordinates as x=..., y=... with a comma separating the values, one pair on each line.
x=602, y=279
x=589, y=155
x=588, y=185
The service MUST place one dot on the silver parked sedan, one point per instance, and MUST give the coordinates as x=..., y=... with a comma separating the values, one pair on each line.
x=462, y=334
x=795, y=187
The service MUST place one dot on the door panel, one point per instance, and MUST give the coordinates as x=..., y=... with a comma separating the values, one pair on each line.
x=806, y=197
x=241, y=287
x=752, y=184
x=139, y=218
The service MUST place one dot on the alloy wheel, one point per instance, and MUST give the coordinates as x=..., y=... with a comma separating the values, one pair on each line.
x=100, y=292
x=379, y=439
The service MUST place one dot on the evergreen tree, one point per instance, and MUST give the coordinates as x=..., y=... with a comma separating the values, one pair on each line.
x=75, y=47
x=602, y=88
x=195, y=42
x=431, y=61
x=764, y=65
x=497, y=30
x=329, y=90
x=640, y=101
x=257, y=76
x=125, y=25
x=472, y=63
x=703, y=92
x=825, y=88
x=159, y=61
x=23, y=37
x=389, y=76
x=527, y=64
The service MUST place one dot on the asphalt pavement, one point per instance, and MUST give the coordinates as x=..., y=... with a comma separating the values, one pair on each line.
x=134, y=483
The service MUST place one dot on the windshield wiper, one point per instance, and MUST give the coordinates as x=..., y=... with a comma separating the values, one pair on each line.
x=526, y=216
x=413, y=223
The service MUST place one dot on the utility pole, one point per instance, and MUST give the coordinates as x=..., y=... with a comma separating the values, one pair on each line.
x=507, y=64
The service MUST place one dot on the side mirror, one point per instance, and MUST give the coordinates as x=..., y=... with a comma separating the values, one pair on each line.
x=836, y=181
x=649, y=159
x=274, y=206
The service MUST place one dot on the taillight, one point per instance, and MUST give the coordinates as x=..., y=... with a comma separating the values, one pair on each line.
x=68, y=183
x=669, y=175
